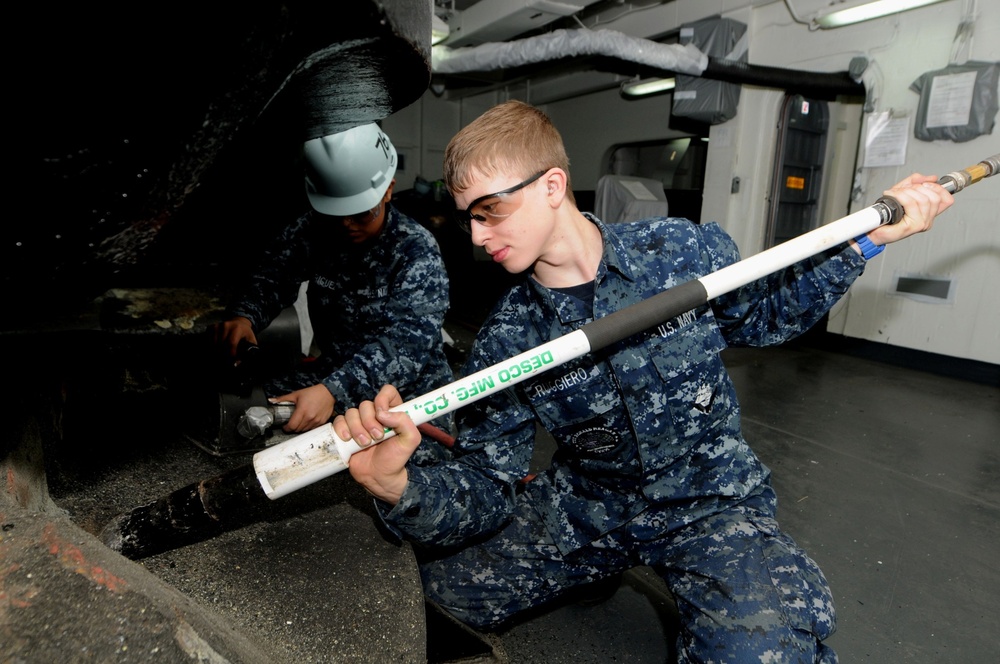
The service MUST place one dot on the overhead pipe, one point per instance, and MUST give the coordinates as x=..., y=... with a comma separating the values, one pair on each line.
x=813, y=84
x=205, y=508
x=669, y=58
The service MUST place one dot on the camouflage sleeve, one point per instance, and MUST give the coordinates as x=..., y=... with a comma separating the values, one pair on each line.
x=275, y=284
x=397, y=352
x=783, y=304
x=473, y=495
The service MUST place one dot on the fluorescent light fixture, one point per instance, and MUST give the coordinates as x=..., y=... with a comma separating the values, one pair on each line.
x=868, y=11
x=647, y=86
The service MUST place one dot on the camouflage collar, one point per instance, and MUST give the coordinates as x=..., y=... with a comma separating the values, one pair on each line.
x=616, y=256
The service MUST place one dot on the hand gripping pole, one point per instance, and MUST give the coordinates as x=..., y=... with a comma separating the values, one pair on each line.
x=316, y=454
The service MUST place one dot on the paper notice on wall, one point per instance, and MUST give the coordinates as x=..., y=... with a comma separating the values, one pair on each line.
x=885, y=140
x=951, y=100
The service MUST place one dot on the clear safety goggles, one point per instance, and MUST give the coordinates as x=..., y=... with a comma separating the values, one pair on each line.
x=491, y=209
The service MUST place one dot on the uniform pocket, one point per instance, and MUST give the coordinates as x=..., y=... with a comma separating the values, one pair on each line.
x=581, y=407
x=686, y=357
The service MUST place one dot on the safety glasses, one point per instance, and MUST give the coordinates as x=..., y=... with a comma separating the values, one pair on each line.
x=491, y=209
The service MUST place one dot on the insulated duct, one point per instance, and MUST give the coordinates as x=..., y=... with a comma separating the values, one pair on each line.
x=672, y=58
x=564, y=44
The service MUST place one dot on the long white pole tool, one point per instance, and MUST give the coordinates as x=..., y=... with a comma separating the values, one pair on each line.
x=316, y=454
x=202, y=509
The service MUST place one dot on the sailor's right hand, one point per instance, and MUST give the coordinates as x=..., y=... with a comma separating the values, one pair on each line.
x=381, y=469
x=229, y=334
x=313, y=407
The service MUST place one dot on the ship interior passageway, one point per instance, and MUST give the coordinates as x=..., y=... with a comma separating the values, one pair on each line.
x=156, y=151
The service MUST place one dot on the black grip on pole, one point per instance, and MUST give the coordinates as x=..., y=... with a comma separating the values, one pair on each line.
x=644, y=315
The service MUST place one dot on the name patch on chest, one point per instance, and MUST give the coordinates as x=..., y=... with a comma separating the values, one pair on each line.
x=544, y=388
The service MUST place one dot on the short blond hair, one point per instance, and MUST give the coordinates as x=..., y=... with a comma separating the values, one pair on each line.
x=512, y=138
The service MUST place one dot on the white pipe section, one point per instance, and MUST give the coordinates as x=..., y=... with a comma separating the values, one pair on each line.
x=317, y=454
x=792, y=251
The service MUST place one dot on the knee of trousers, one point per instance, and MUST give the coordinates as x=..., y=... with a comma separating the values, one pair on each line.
x=484, y=596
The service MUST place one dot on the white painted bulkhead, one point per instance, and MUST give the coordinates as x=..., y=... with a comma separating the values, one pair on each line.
x=964, y=245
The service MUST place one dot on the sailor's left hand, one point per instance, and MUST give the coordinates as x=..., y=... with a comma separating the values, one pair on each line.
x=922, y=199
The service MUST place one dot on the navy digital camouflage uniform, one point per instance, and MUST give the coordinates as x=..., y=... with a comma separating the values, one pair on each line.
x=376, y=309
x=651, y=466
